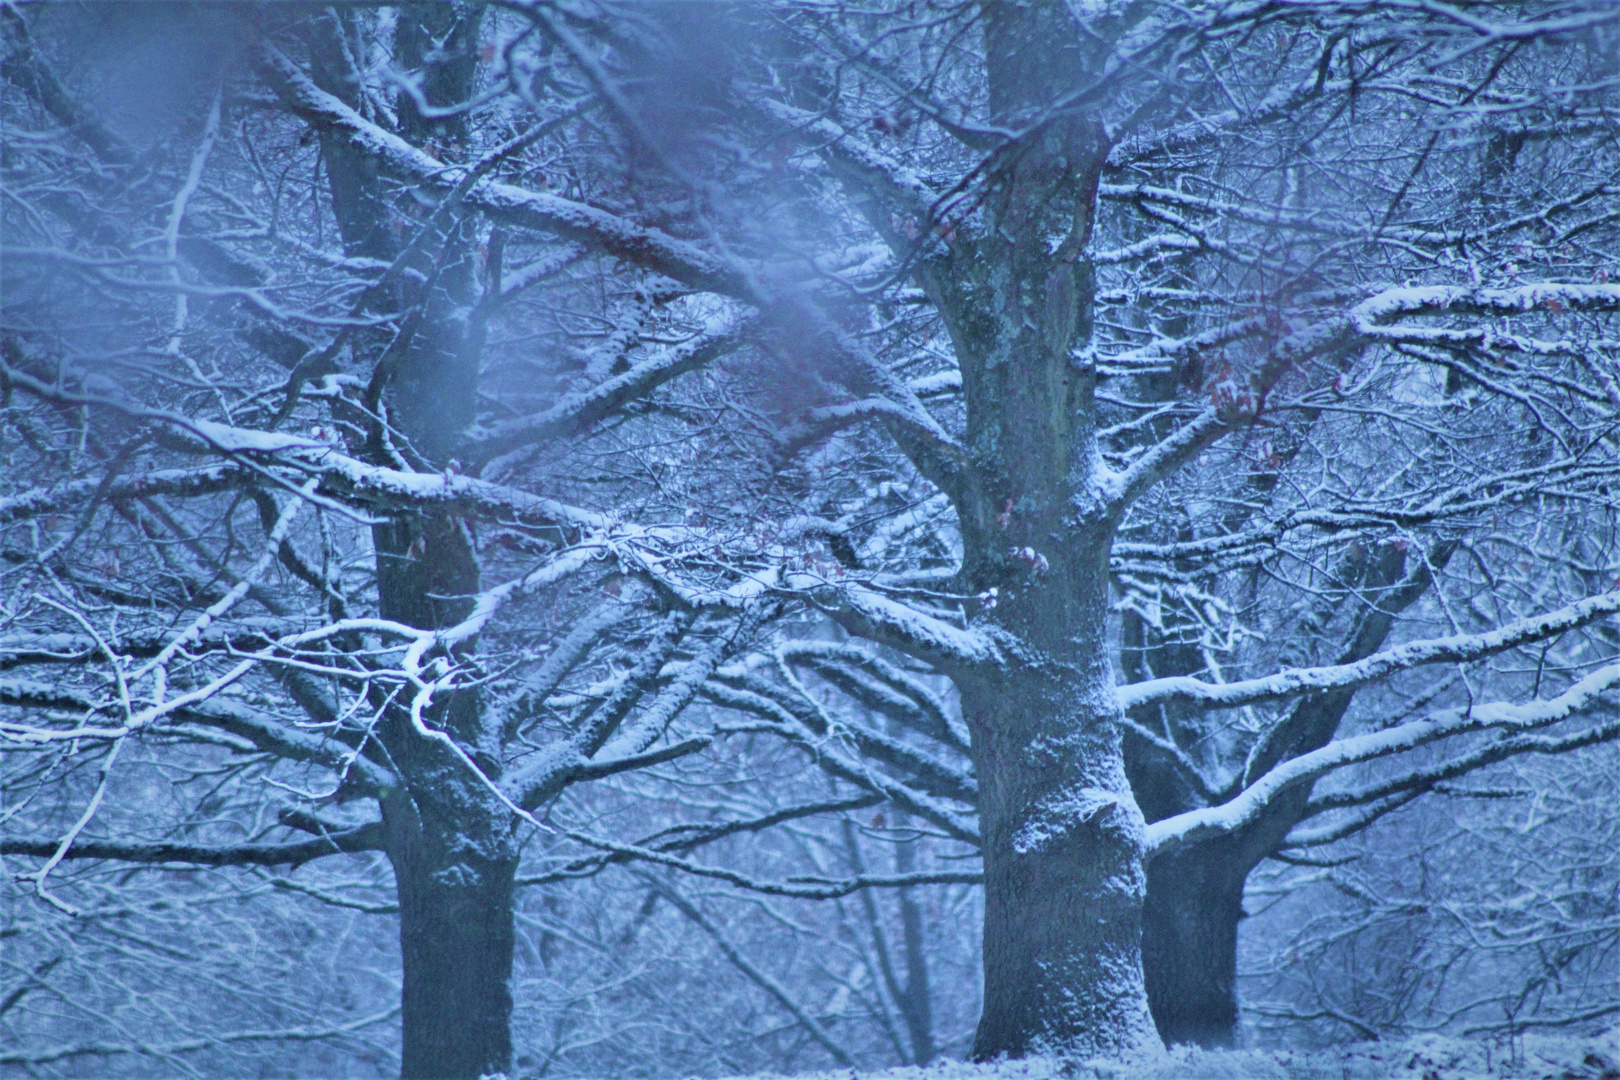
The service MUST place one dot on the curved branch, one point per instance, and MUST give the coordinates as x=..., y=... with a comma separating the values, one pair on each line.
x=1423, y=780
x=869, y=614
x=1455, y=649
x=1176, y=832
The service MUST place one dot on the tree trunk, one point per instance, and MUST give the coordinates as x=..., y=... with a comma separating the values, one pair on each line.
x=1062, y=871
x=1195, y=896
x=1063, y=836
x=916, y=1000
x=1189, y=944
x=456, y=940
x=451, y=844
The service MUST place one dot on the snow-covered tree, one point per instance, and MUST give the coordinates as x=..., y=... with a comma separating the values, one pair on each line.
x=1255, y=315
x=342, y=511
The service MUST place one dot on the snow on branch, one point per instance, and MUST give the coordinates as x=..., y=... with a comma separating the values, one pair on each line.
x=40, y=501
x=1456, y=648
x=366, y=837
x=1373, y=320
x=1176, y=832
x=211, y=1041
x=856, y=157
x=27, y=693
x=1423, y=780
x=752, y=697
x=560, y=764
x=576, y=412
x=61, y=647
x=601, y=768
x=255, y=451
x=1489, y=492
x=920, y=436
x=657, y=717
x=1372, y=317
x=289, y=741
x=540, y=211
x=1184, y=444
x=341, y=475
x=453, y=491
x=259, y=729
x=869, y=614
x=1142, y=249
x=1312, y=221
x=877, y=684
x=487, y=603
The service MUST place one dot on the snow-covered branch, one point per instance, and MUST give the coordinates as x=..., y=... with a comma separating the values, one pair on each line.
x=541, y=211
x=357, y=838
x=575, y=413
x=1182, y=829
x=1458, y=648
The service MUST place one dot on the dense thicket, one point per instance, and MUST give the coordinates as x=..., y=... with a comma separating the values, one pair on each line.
x=938, y=511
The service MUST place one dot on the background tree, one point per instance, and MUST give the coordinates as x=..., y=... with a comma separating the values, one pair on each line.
x=439, y=655
x=1421, y=943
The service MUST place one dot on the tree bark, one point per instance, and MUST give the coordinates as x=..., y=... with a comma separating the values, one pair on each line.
x=456, y=940
x=1062, y=871
x=1189, y=944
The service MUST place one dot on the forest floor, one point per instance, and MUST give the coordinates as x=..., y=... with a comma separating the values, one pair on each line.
x=1527, y=1057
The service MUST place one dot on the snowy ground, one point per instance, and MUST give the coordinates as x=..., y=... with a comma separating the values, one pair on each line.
x=1530, y=1057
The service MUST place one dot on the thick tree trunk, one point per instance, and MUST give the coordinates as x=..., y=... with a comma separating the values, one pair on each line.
x=452, y=844
x=456, y=940
x=1189, y=945
x=1063, y=836
x=1063, y=873
x=1194, y=897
